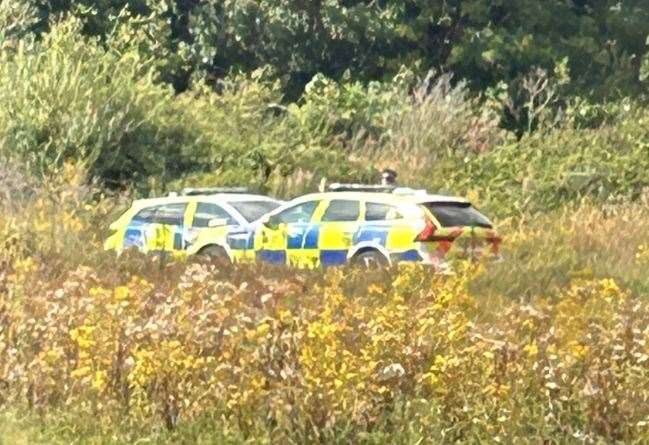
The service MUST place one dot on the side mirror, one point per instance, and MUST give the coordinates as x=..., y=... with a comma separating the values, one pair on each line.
x=217, y=222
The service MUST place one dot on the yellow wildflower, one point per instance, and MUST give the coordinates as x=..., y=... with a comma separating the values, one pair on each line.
x=531, y=349
x=122, y=293
x=100, y=380
x=81, y=372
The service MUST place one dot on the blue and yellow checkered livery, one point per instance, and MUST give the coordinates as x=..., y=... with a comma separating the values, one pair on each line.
x=189, y=224
x=335, y=228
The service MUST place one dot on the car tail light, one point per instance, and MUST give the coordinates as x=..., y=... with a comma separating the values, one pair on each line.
x=428, y=234
x=495, y=241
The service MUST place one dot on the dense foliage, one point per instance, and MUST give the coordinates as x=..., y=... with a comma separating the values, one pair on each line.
x=534, y=110
x=480, y=40
x=94, y=83
x=93, y=89
x=309, y=358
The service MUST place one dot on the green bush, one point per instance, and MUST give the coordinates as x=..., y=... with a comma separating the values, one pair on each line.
x=249, y=138
x=103, y=105
x=17, y=17
x=548, y=169
x=433, y=124
x=256, y=140
x=71, y=98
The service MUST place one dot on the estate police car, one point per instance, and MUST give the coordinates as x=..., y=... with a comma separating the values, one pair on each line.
x=367, y=225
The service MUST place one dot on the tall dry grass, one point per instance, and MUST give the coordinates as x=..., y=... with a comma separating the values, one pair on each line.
x=280, y=356
x=439, y=121
x=545, y=251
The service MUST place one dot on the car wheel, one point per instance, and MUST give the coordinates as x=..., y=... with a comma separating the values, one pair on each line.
x=370, y=260
x=214, y=253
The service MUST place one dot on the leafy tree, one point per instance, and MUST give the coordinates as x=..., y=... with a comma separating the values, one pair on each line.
x=483, y=41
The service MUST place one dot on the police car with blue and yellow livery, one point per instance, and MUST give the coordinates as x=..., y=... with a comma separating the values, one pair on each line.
x=196, y=221
x=367, y=225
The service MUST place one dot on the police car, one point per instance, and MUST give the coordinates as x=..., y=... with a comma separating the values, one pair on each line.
x=367, y=225
x=196, y=221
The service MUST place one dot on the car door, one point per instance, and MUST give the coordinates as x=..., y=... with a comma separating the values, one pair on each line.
x=134, y=234
x=157, y=228
x=337, y=230
x=166, y=231
x=385, y=226
x=288, y=237
x=210, y=224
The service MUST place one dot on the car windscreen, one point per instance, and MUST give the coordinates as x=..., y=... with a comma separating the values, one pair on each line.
x=457, y=214
x=253, y=210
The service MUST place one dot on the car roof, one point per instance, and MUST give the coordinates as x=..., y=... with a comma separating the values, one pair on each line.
x=395, y=198
x=216, y=198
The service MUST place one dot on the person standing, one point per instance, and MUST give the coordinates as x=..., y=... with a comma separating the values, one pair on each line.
x=388, y=178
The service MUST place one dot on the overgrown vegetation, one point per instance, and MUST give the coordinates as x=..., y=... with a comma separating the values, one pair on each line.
x=99, y=98
x=548, y=345
x=543, y=124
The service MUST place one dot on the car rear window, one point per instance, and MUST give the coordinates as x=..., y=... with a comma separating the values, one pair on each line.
x=457, y=214
x=342, y=210
x=253, y=210
x=380, y=212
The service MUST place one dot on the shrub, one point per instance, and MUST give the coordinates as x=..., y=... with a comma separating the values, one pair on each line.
x=545, y=170
x=439, y=124
x=60, y=219
x=70, y=98
x=249, y=138
x=16, y=19
x=256, y=140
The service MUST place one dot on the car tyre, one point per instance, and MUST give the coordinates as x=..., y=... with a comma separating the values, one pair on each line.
x=371, y=260
x=214, y=254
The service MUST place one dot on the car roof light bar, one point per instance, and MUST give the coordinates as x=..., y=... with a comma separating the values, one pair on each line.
x=212, y=190
x=409, y=191
x=338, y=187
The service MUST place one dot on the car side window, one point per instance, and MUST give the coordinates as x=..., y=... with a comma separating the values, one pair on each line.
x=145, y=215
x=300, y=213
x=169, y=214
x=207, y=211
x=342, y=210
x=380, y=212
